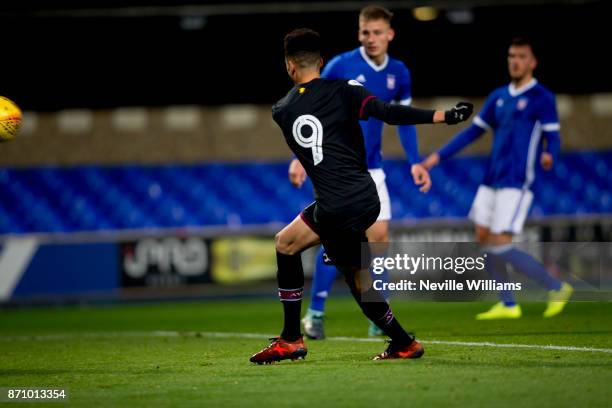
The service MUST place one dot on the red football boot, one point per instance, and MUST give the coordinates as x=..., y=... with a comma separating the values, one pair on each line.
x=280, y=349
x=413, y=350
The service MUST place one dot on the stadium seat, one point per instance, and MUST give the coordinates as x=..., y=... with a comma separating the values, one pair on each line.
x=93, y=198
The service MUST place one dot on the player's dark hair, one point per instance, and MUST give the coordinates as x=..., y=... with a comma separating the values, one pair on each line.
x=303, y=46
x=375, y=13
x=522, y=42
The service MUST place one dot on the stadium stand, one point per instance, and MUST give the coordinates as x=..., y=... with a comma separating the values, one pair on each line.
x=93, y=198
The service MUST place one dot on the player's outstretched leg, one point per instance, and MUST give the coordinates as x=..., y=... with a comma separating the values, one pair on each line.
x=402, y=344
x=373, y=305
x=559, y=292
x=373, y=329
x=378, y=235
x=323, y=280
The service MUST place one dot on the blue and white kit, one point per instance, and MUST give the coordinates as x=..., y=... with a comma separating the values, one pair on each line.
x=521, y=119
x=389, y=81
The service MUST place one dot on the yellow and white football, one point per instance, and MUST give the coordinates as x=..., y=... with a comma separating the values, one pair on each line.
x=10, y=119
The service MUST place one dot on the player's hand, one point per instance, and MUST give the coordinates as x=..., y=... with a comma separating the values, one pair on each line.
x=546, y=161
x=297, y=174
x=431, y=161
x=420, y=175
x=461, y=112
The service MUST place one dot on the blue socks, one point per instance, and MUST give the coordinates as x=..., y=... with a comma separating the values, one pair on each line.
x=522, y=262
x=527, y=265
x=322, y=282
x=496, y=266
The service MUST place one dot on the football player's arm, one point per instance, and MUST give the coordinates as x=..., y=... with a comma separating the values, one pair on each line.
x=481, y=123
x=297, y=173
x=407, y=115
x=397, y=114
x=550, y=133
x=407, y=133
x=420, y=175
x=408, y=138
x=551, y=149
x=462, y=139
x=366, y=105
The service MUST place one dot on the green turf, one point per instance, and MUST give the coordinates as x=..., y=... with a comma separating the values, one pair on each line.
x=105, y=356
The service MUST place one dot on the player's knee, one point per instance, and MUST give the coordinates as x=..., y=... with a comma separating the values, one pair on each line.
x=482, y=236
x=280, y=243
x=378, y=232
x=379, y=236
x=284, y=245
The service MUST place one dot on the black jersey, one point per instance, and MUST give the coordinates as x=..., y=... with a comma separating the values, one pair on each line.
x=320, y=122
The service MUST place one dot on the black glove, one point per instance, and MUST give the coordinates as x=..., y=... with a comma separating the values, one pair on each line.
x=461, y=112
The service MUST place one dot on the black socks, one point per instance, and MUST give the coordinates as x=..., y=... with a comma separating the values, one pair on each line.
x=380, y=313
x=291, y=287
x=374, y=306
x=290, y=278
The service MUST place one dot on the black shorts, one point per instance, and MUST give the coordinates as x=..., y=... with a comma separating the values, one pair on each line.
x=342, y=235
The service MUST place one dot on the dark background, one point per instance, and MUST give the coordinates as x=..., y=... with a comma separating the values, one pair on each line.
x=57, y=55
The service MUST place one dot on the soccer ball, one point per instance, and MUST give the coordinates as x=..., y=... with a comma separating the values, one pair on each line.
x=10, y=119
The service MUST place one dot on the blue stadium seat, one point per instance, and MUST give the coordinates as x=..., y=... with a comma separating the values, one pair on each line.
x=90, y=198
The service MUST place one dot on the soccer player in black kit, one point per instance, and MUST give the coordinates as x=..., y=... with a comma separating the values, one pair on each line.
x=320, y=121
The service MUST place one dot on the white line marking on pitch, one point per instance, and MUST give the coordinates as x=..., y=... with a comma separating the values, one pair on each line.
x=63, y=336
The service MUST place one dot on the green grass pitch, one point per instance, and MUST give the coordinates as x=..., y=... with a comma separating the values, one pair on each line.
x=175, y=354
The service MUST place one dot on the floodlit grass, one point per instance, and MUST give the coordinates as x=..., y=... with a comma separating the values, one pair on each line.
x=169, y=354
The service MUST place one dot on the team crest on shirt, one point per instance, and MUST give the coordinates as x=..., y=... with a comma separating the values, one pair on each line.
x=390, y=81
x=500, y=102
x=360, y=78
x=522, y=103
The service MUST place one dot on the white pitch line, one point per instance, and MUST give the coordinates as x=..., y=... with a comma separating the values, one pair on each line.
x=514, y=345
x=64, y=336
x=486, y=344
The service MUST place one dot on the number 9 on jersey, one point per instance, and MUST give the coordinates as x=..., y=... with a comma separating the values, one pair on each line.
x=314, y=141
